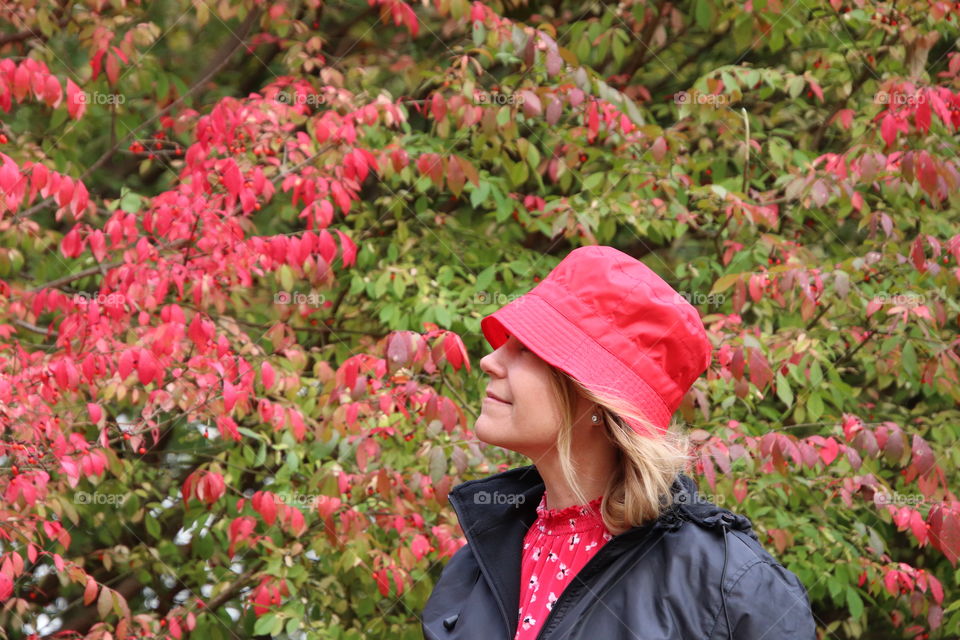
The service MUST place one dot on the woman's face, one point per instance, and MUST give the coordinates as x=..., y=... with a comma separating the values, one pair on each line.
x=525, y=419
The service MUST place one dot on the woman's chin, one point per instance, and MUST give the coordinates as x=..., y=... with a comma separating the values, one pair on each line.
x=487, y=431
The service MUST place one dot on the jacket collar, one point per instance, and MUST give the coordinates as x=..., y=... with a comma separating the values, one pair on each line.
x=495, y=513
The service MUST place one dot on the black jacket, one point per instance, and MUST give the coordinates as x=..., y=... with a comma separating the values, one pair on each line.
x=660, y=581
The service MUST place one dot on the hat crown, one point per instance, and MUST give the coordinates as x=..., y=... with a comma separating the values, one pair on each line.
x=623, y=301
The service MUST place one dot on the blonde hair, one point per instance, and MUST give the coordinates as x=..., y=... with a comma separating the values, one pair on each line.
x=638, y=489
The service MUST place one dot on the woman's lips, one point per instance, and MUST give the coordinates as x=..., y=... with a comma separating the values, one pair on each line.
x=495, y=399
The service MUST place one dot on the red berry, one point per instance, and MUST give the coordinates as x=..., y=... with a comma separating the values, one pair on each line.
x=142, y=450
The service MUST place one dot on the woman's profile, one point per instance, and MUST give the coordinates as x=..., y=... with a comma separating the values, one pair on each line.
x=603, y=536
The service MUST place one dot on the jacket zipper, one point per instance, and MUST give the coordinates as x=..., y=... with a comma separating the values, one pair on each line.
x=486, y=572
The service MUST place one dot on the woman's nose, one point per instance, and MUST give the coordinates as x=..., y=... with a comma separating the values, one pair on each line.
x=489, y=364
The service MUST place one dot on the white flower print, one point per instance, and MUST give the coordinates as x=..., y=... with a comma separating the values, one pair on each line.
x=550, y=600
x=574, y=540
x=607, y=536
x=573, y=523
x=590, y=546
x=562, y=573
x=528, y=621
x=536, y=553
x=552, y=557
x=533, y=584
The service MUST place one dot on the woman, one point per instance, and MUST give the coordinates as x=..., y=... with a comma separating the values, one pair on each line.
x=603, y=537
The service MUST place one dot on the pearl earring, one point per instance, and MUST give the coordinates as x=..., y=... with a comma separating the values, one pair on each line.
x=595, y=418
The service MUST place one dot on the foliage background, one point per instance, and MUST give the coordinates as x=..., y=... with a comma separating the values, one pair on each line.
x=245, y=248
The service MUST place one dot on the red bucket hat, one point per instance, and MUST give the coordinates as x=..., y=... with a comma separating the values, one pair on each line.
x=613, y=324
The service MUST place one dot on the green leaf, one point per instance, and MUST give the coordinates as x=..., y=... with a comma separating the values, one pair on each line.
x=479, y=33
x=593, y=181
x=795, y=86
x=292, y=625
x=285, y=274
x=854, y=603
x=703, y=13
x=815, y=406
x=443, y=316
x=203, y=546
x=130, y=202
x=485, y=278
x=163, y=86
x=264, y=624
x=153, y=527
x=816, y=374
x=908, y=358
x=479, y=194
x=783, y=390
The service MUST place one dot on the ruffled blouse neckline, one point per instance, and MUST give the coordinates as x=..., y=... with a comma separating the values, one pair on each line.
x=573, y=518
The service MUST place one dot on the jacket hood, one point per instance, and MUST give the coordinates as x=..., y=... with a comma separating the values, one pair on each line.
x=499, y=509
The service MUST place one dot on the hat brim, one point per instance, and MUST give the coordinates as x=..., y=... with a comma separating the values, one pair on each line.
x=560, y=343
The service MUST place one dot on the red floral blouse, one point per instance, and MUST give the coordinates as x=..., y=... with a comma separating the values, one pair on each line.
x=555, y=548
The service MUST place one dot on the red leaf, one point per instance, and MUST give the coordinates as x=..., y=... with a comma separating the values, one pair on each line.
x=923, y=459
x=846, y=117
x=146, y=367
x=531, y=103
x=6, y=586
x=420, y=546
x=72, y=244
x=438, y=106
x=267, y=377
x=340, y=197
x=890, y=582
x=921, y=116
x=21, y=82
x=76, y=100
x=264, y=504
x=947, y=536
x=829, y=451
x=379, y=575
x=455, y=352
x=296, y=424
x=936, y=589
x=90, y=591
x=927, y=173
x=918, y=527
x=888, y=129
